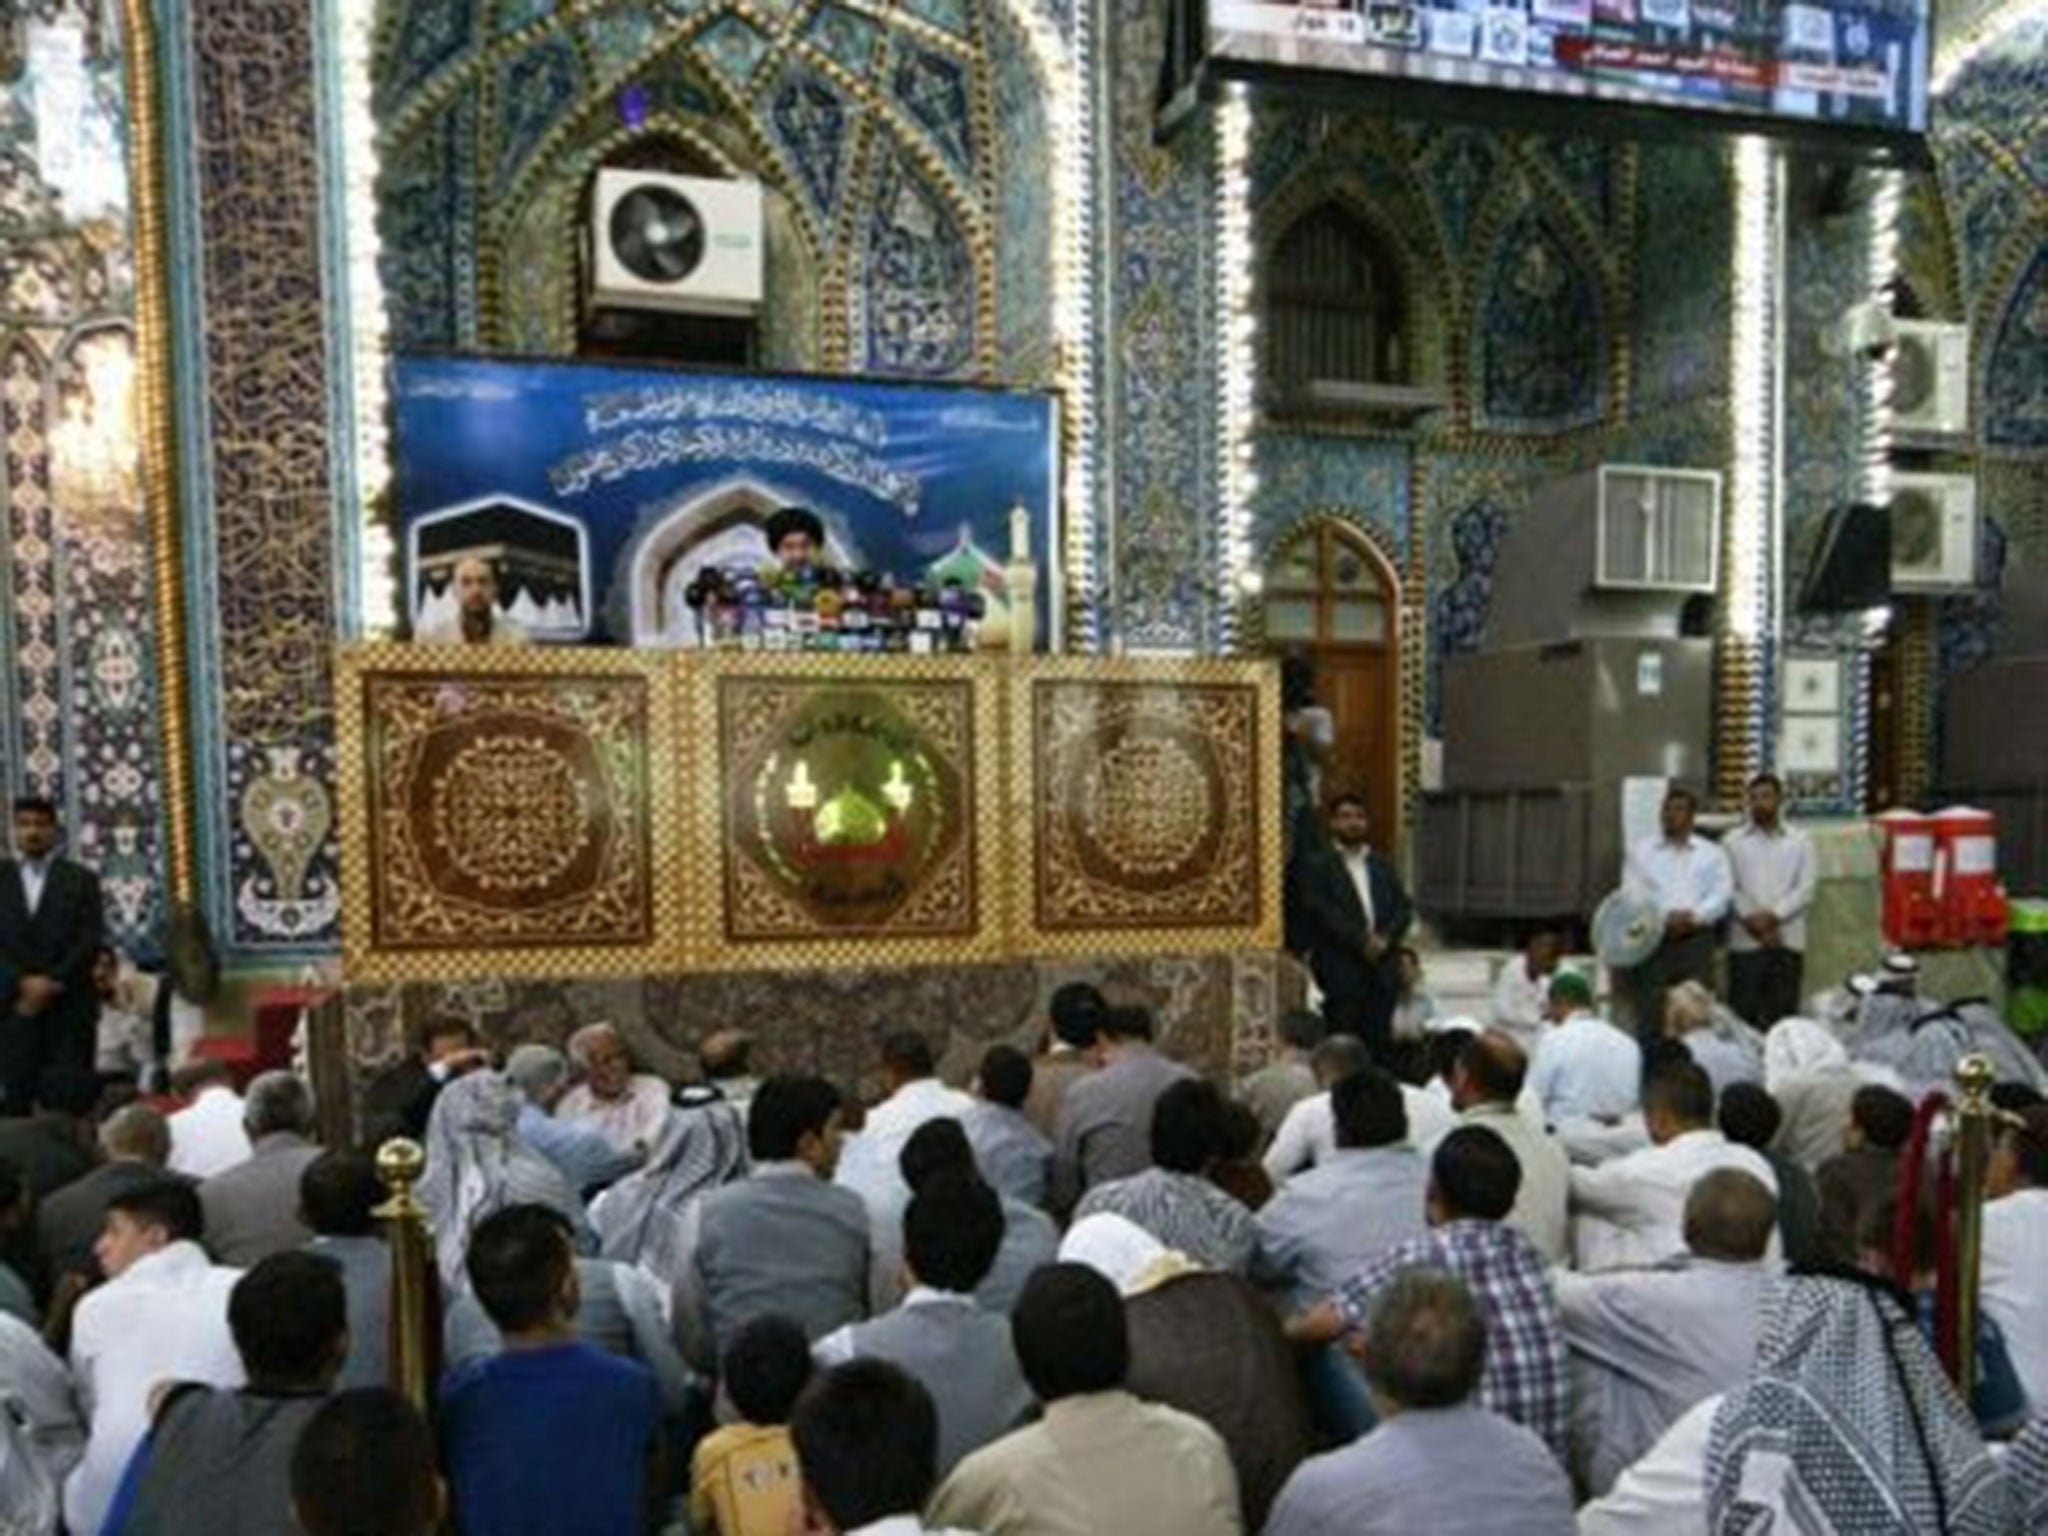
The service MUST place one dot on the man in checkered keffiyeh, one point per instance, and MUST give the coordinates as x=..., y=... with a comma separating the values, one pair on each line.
x=1472, y=1184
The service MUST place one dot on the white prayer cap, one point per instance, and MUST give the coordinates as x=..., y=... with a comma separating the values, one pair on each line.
x=1440, y=1024
x=1116, y=1248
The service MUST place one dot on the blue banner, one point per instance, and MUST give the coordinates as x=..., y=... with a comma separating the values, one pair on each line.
x=596, y=492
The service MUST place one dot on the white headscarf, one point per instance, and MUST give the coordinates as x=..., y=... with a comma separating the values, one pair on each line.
x=477, y=1164
x=1800, y=1047
x=1123, y=1253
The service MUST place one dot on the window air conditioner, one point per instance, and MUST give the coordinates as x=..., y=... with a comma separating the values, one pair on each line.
x=675, y=242
x=1930, y=368
x=1659, y=529
x=1934, y=532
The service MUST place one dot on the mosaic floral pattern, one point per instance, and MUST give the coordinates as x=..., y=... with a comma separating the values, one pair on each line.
x=920, y=279
x=1157, y=240
x=267, y=619
x=2015, y=388
x=78, y=665
x=1457, y=623
x=1540, y=350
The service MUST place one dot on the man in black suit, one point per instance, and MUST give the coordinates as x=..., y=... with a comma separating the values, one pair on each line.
x=50, y=926
x=399, y=1100
x=1349, y=917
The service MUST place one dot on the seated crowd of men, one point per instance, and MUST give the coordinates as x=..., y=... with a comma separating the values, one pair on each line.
x=1570, y=1282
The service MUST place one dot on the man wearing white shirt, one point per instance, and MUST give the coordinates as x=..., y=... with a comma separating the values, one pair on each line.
x=161, y=1317
x=868, y=1162
x=45, y=1432
x=1774, y=876
x=1665, y=1493
x=1521, y=996
x=1586, y=1069
x=1307, y=1137
x=1688, y=878
x=207, y=1135
x=2016, y=1250
x=1631, y=1211
x=628, y=1109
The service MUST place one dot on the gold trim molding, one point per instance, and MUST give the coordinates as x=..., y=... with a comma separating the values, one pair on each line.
x=157, y=438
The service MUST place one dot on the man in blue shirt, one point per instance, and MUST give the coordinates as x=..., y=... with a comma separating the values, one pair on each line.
x=587, y=1160
x=506, y=1437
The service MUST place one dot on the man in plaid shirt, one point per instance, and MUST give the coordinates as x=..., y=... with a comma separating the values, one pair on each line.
x=1473, y=1179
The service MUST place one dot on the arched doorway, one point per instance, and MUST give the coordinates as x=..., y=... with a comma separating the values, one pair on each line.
x=1332, y=597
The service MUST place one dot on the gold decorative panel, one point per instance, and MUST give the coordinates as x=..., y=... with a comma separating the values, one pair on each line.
x=541, y=812
x=507, y=811
x=846, y=814
x=1146, y=805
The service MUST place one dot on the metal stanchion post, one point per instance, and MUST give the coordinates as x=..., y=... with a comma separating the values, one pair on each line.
x=1975, y=1120
x=413, y=1327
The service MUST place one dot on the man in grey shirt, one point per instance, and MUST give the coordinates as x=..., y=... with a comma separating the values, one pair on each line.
x=958, y=1349
x=1014, y=1157
x=1105, y=1123
x=1437, y=1462
x=1329, y=1222
x=784, y=1239
x=221, y=1461
x=338, y=1195
x=1289, y=1078
x=252, y=1208
x=937, y=1149
x=1648, y=1344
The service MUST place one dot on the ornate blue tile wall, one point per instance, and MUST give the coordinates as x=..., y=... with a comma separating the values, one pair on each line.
x=1547, y=298
x=915, y=233
x=251, y=337
x=1160, y=357
x=1976, y=249
x=78, y=668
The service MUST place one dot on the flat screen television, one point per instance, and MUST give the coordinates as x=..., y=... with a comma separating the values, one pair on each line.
x=1854, y=73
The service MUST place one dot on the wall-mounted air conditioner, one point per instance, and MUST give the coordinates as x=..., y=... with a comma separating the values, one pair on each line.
x=1934, y=532
x=1930, y=369
x=1659, y=529
x=675, y=242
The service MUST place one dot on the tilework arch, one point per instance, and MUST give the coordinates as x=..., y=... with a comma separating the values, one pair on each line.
x=874, y=126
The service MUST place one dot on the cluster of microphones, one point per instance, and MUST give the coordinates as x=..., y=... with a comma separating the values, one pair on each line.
x=814, y=608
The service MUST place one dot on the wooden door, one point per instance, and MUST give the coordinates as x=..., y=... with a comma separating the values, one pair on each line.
x=1330, y=596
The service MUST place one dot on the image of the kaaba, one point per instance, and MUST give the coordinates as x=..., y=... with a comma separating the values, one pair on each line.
x=541, y=560
x=848, y=809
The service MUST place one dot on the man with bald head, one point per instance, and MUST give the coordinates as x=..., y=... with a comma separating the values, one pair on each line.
x=628, y=1109
x=1648, y=1344
x=1486, y=1085
x=477, y=620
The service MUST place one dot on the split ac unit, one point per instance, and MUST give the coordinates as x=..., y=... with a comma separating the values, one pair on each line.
x=1934, y=532
x=1659, y=529
x=1930, y=367
x=675, y=242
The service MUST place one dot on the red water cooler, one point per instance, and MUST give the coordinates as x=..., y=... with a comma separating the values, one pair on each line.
x=1912, y=917
x=1971, y=905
